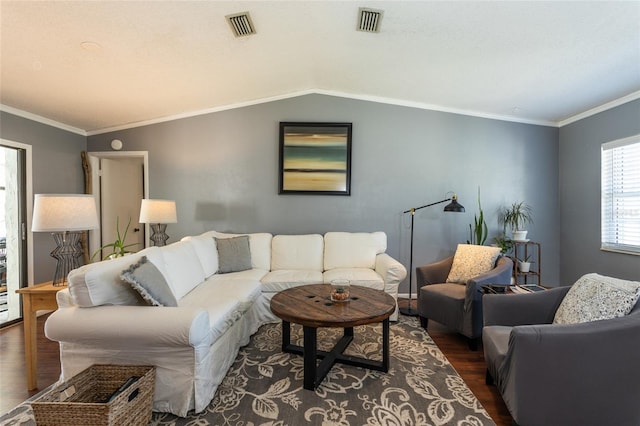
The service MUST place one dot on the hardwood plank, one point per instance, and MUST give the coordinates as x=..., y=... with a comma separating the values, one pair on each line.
x=13, y=370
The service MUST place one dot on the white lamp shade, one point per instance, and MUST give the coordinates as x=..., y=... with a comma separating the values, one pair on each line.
x=158, y=211
x=64, y=212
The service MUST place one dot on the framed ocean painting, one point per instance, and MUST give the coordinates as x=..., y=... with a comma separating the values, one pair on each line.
x=315, y=158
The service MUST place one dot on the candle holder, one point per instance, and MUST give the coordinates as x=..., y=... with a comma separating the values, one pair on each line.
x=340, y=290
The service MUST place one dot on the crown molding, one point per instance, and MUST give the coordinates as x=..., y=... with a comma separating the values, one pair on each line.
x=198, y=112
x=42, y=120
x=593, y=111
x=433, y=107
x=389, y=101
x=377, y=99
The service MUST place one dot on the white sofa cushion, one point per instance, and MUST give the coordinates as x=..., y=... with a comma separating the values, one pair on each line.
x=207, y=253
x=259, y=243
x=184, y=270
x=353, y=250
x=99, y=283
x=224, y=299
x=364, y=277
x=297, y=252
x=283, y=279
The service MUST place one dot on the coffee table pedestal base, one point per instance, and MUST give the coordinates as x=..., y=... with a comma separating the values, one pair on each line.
x=315, y=373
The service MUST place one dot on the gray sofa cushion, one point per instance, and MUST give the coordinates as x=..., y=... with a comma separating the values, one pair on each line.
x=443, y=303
x=496, y=343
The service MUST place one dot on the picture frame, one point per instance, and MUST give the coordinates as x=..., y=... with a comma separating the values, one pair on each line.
x=315, y=158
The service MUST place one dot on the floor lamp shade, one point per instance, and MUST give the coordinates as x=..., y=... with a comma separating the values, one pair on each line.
x=453, y=206
x=66, y=216
x=157, y=213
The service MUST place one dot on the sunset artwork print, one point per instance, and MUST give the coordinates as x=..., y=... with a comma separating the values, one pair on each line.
x=315, y=158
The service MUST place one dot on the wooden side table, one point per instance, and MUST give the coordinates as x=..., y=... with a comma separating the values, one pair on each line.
x=35, y=298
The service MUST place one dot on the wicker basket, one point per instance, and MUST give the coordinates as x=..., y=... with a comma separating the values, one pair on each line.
x=81, y=399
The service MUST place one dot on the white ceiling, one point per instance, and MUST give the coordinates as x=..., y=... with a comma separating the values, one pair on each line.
x=529, y=61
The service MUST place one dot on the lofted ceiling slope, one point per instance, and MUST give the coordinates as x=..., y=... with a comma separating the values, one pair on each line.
x=98, y=65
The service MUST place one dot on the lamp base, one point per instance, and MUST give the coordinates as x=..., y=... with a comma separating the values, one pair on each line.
x=410, y=312
x=68, y=253
x=159, y=237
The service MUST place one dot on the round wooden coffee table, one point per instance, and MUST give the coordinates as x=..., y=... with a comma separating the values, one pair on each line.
x=311, y=307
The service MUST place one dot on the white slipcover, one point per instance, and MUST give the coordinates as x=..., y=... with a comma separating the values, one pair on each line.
x=194, y=344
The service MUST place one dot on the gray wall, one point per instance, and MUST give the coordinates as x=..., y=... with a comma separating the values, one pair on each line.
x=221, y=169
x=57, y=168
x=580, y=144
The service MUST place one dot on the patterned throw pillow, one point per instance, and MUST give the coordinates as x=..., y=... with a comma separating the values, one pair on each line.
x=596, y=297
x=470, y=261
x=147, y=280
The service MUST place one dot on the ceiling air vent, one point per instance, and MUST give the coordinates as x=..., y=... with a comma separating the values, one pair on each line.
x=369, y=20
x=241, y=24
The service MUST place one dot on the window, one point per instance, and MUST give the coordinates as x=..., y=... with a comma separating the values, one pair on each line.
x=621, y=195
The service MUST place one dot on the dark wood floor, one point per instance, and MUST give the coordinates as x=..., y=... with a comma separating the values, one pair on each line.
x=13, y=388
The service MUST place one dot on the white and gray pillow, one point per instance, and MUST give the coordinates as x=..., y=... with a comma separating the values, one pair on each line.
x=597, y=297
x=471, y=260
x=145, y=278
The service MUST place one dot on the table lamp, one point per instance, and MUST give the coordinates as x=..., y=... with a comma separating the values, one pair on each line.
x=66, y=216
x=157, y=213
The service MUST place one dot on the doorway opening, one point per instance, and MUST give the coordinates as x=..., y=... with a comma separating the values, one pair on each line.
x=119, y=182
x=14, y=189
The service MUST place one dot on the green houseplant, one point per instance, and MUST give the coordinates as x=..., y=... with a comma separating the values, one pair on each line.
x=516, y=217
x=504, y=243
x=478, y=231
x=118, y=247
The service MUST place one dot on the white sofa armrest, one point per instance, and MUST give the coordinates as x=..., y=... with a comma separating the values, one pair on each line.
x=126, y=326
x=391, y=271
x=64, y=299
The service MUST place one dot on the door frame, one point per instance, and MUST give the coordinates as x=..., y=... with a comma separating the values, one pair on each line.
x=93, y=158
x=29, y=202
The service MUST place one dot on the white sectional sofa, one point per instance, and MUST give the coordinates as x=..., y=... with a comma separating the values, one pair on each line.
x=102, y=320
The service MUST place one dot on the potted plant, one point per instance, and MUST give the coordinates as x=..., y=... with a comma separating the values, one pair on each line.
x=118, y=247
x=504, y=243
x=516, y=217
x=479, y=231
x=525, y=265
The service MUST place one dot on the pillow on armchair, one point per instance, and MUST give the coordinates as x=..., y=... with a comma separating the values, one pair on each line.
x=596, y=297
x=471, y=260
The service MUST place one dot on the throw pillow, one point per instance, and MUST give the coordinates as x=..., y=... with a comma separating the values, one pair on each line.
x=147, y=280
x=471, y=260
x=234, y=254
x=596, y=297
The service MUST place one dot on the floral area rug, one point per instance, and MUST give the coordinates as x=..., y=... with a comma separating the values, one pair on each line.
x=264, y=386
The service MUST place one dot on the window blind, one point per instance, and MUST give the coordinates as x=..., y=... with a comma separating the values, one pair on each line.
x=620, y=192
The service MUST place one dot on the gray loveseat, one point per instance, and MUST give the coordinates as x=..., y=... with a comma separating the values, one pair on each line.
x=561, y=374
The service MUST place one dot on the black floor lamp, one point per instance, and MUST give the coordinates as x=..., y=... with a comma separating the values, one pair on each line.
x=453, y=206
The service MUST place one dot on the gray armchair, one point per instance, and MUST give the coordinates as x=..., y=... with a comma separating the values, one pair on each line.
x=457, y=306
x=579, y=374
